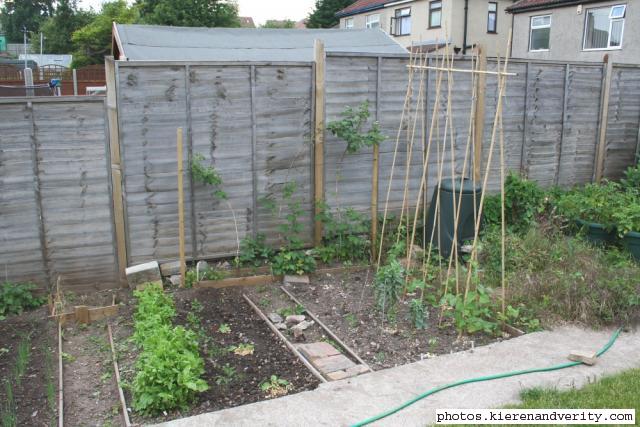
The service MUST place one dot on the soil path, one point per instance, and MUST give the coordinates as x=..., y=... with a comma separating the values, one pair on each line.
x=352, y=400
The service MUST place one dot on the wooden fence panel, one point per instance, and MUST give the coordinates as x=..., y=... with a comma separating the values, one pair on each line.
x=623, y=121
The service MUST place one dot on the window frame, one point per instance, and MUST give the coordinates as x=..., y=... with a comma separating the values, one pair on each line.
x=431, y=11
x=531, y=28
x=611, y=21
x=348, y=23
x=367, y=24
x=398, y=17
x=495, y=13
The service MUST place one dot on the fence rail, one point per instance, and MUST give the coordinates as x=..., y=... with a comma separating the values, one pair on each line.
x=90, y=186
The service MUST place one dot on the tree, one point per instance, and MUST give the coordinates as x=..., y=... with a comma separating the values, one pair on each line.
x=276, y=23
x=57, y=29
x=324, y=15
x=93, y=41
x=189, y=13
x=17, y=14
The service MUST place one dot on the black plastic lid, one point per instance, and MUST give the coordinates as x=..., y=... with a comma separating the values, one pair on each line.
x=467, y=186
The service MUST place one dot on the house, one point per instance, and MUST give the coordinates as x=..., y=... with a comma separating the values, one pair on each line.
x=247, y=22
x=569, y=30
x=160, y=43
x=425, y=25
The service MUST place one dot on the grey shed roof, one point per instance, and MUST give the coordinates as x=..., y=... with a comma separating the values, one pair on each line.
x=158, y=43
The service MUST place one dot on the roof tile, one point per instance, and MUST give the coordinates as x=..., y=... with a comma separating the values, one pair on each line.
x=361, y=5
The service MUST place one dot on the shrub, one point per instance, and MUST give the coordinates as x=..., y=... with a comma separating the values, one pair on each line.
x=631, y=180
x=592, y=203
x=523, y=200
x=16, y=297
x=626, y=216
x=349, y=129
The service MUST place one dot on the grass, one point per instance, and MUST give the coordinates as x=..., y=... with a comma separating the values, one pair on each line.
x=617, y=391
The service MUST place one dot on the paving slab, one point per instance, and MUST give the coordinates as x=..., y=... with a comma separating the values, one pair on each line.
x=341, y=403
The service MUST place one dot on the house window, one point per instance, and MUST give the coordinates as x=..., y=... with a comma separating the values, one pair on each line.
x=401, y=22
x=492, y=17
x=540, y=32
x=348, y=23
x=372, y=21
x=435, y=14
x=604, y=27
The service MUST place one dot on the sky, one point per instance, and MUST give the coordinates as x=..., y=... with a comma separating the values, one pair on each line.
x=259, y=10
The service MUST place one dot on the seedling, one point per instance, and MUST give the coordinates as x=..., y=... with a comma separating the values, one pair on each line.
x=242, y=349
x=352, y=320
x=224, y=328
x=227, y=376
x=275, y=386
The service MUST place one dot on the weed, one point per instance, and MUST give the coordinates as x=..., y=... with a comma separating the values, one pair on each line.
x=264, y=302
x=242, y=349
x=16, y=297
x=190, y=278
x=288, y=311
x=380, y=357
x=106, y=377
x=472, y=312
x=345, y=236
x=254, y=251
x=433, y=344
x=293, y=262
x=352, y=320
x=210, y=273
x=224, y=328
x=227, y=376
x=275, y=386
x=69, y=358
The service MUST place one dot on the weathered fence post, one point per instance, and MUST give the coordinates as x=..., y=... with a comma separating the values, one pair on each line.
x=601, y=150
x=479, y=115
x=375, y=171
x=116, y=170
x=319, y=139
x=183, y=264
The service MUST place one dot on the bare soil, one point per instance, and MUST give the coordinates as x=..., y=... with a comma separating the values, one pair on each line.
x=344, y=301
x=32, y=407
x=90, y=390
x=270, y=355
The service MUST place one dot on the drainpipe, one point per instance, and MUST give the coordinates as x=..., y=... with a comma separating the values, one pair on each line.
x=466, y=18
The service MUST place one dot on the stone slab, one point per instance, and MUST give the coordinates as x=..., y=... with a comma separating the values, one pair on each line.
x=317, y=350
x=332, y=363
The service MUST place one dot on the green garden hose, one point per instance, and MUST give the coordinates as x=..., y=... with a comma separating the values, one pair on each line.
x=606, y=347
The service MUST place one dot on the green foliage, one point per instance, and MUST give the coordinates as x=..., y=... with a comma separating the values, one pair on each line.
x=324, y=14
x=224, y=328
x=275, y=23
x=189, y=13
x=255, y=252
x=418, y=313
x=627, y=215
x=471, y=313
x=190, y=278
x=592, y=203
x=563, y=278
x=14, y=15
x=519, y=318
x=169, y=367
x=631, y=180
x=349, y=129
x=57, y=29
x=293, y=262
x=345, y=235
x=17, y=297
x=211, y=273
x=93, y=41
x=207, y=175
x=227, y=375
x=388, y=285
x=288, y=311
x=523, y=201
x=275, y=386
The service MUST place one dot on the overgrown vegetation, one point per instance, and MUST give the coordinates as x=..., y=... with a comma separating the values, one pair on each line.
x=346, y=237
x=169, y=367
x=17, y=297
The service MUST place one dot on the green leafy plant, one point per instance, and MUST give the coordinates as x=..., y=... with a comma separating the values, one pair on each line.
x=592, y=203
x=211, y=273
x=190, y=278
x=293, y=262
x=169, y=367
x=227, y=376
x=244, y=349
x=523, y=200
x=350, y=129
x=388, y=285
x=275, y=386
x=345, y=237
x=631, y=180
x=418, y=313
x=224, y=328
x=471, y=313
x=17, y=297
x=519, y=317
x=288, y=311
x=352, y=320
x=207, y=175
x=627, y=216
x=255, y=252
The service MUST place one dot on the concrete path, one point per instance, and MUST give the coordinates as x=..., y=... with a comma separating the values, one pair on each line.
x=341, y=403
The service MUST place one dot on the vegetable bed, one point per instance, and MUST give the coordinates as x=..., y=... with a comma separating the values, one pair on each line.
x=244, y=362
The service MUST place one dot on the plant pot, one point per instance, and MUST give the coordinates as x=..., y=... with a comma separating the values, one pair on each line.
x=631, y=241
x=597, y=233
